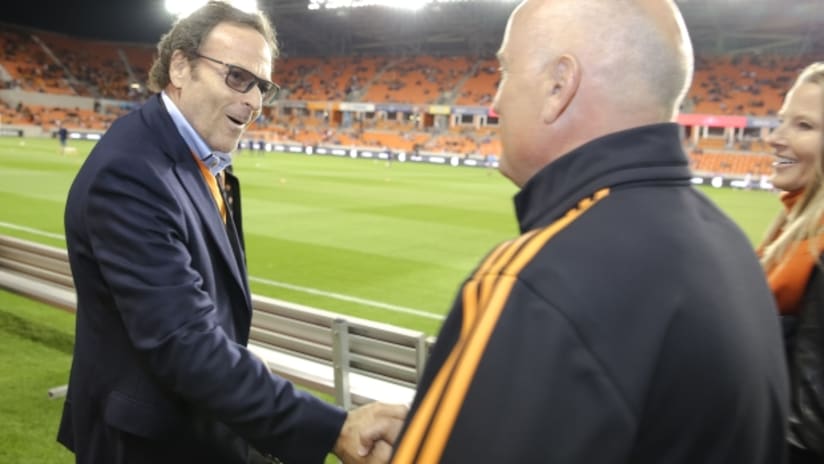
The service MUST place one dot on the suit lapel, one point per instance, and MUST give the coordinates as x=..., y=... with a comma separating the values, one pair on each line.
x=232, y=191
x=192, y=181
x=233, y=226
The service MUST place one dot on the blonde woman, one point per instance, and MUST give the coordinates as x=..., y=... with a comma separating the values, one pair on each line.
x=792, y=257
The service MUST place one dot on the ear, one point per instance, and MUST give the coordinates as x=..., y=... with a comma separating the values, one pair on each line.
x=564, y=77
x=179, y=69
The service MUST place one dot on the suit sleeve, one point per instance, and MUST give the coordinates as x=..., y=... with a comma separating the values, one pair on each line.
x=139, y=238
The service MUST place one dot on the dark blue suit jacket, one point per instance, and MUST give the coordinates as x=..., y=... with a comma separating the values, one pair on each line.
x=160, y=370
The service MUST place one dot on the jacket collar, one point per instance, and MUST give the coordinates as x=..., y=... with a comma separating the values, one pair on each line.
x=647, y=153
x=157, y=118
x=215, y=160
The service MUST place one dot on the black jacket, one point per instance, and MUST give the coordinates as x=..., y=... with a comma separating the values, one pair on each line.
x=630, y=323
x=806, y=360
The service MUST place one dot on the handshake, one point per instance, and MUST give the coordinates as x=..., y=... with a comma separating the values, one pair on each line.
x=369, y=432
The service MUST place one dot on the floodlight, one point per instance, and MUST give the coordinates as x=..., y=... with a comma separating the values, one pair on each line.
x=400, y=4
x=182, y=8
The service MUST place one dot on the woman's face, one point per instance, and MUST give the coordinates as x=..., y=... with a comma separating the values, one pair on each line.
x=797, y=141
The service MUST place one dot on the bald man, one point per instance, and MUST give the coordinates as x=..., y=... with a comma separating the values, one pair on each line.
x=630, y=322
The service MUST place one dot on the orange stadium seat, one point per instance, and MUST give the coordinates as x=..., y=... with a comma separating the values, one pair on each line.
x=735, y=85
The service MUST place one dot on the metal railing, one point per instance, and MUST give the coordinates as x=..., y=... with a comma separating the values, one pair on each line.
x=354, y=359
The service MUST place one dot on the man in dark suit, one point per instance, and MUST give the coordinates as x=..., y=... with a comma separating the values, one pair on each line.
x=161, y=373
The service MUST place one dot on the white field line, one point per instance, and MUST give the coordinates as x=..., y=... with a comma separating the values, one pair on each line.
x=274, y=283
x=32, y=231
x=351, y=299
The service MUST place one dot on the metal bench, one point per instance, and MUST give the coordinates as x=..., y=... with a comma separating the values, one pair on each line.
x=354, y=359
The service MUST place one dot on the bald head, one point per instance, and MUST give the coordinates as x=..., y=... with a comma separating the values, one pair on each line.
x=576, y=70
x=635, y=52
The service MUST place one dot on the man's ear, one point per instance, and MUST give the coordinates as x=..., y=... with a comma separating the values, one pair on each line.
x=179, y=69
x=563, y=77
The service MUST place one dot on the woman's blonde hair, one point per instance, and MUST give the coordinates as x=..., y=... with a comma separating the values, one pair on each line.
x=804, y=220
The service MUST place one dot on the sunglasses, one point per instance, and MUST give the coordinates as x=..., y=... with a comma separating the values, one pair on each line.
x=243, y=81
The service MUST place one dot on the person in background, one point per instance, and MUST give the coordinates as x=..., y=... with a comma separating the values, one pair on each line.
x=62, y=136
x=792, y=256
x=631, y=321
x=161, y=372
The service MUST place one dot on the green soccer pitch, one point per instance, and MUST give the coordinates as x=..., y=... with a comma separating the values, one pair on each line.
x=385, y=242
x=358, y=237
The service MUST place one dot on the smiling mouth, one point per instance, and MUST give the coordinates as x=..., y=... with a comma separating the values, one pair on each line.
x=236, y=121
x=783, y=162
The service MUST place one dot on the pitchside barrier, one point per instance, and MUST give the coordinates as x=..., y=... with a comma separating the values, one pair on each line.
x=354, y=359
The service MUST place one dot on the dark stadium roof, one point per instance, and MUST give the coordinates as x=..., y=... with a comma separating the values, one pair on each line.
x=723, y=26
x=141, y=21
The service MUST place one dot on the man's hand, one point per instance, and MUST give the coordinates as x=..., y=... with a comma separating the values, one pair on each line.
x=369, y=432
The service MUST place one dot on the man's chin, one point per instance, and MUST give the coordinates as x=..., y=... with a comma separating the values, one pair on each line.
x=503, y=168
x=227, y=147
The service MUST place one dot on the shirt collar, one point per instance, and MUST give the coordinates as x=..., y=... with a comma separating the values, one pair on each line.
x=216, y=161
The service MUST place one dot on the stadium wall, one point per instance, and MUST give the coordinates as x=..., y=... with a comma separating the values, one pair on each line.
x=15, y=96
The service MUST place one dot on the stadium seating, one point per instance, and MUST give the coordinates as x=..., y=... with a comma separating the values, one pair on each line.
x=50, y=63
x=333, y=79
x=743, y=85
x=731, y=163
x=418, y=79
x=481, y=87
x=28, y=64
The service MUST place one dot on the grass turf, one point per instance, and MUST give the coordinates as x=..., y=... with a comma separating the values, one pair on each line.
x=383, y=242
x=358, y=237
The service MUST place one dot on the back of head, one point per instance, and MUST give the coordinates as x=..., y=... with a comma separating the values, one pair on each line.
x=576, y=70
x=636, y=54
x=188, y=33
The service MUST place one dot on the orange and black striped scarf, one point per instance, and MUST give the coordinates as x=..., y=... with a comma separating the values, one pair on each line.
x=789, y=277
